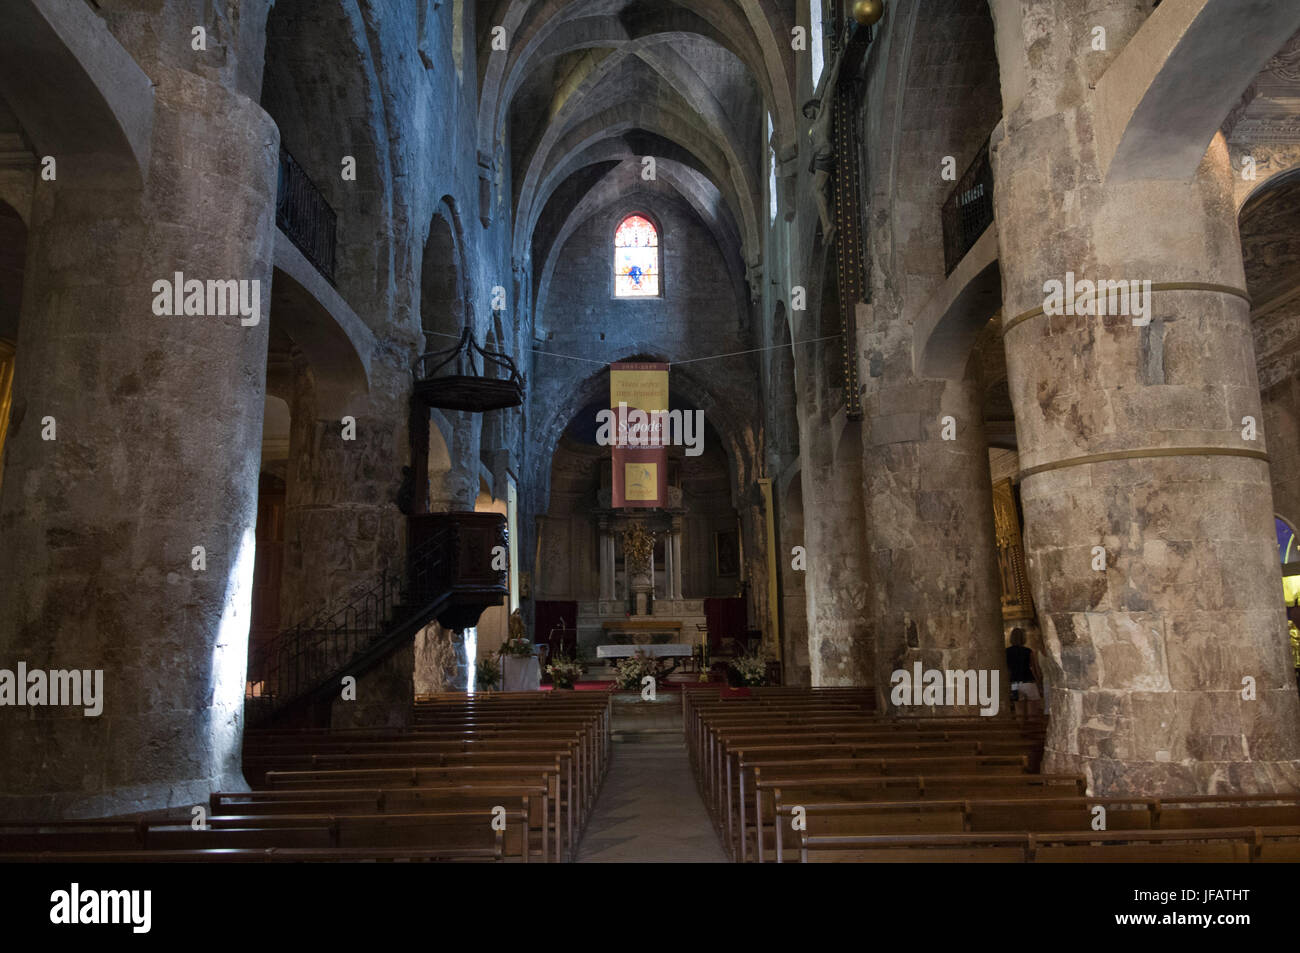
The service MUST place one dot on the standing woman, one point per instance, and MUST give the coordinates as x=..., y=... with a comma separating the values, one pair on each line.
x=1025, y=678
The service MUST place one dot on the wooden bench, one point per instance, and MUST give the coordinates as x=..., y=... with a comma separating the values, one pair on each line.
x=533, y=801
x=1028, y=815
x=790, y=789
x=1217, y=845
x=971, y=756
x=460, y=833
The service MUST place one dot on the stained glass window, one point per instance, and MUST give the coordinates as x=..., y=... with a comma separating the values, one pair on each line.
x=636, y=259
x=1286, y=541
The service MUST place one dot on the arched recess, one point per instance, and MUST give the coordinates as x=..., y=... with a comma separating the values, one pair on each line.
x=77, y=92
x=321, y=87
x=578, y=514
x=948, y=102
x=450, y=459
x=329, y=335
x=1164, y=97
x=953, y=317
x=1269, y=225
x=444, y=297
x=734, y=427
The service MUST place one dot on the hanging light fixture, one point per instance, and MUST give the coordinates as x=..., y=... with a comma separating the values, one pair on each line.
x=868, y=12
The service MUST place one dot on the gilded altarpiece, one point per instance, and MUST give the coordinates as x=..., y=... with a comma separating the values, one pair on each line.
x=1016, y=600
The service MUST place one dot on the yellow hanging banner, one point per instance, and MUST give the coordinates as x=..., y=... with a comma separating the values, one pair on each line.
x=638, y=396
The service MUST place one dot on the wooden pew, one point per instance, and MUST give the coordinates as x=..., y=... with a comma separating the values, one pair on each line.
x=454, y=834
x=422, y=776
x=961, y=765
x=267, y=855
x=739, y=759
x=1220, y=845
x=1029, y=815
x=789, y=789
x=533, y=801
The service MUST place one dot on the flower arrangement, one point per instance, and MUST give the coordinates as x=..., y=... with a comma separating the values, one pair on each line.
x=629, y=672
x=751, y=668
x=487, y=673
x=564, y=671
x=517, y=647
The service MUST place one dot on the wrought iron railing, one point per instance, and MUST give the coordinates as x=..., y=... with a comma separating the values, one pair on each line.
x=495, y=364
x=968, y=211
x=305, y=216
x=449, y=378
x=305, y=656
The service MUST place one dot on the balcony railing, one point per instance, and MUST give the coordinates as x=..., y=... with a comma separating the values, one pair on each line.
x=968, y=211
x=448, y=574
x=303, y=214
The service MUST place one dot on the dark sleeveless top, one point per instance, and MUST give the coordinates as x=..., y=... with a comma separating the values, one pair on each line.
x=1018, y=657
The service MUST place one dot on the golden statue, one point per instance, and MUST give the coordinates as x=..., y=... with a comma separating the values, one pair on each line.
x=638, y=548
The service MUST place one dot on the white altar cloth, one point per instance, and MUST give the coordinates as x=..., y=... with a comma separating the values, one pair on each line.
x=663, y=650
x=520, y=674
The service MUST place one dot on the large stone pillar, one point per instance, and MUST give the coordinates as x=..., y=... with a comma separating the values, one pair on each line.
x=1168, y=665
x=343, y=528
x=668, y=567
x=606, y=562
x=156, y=445
x=935, y=598
x=676, y=541
x=840, y=644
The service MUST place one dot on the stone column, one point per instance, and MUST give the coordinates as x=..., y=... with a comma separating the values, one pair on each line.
x=668, y=567
x=158, y=423
x=935, y=597
x=1167, y=663
x=613, y=567
x=840, y=644
x=343, y=527
x=606, y=563
x=677, y=560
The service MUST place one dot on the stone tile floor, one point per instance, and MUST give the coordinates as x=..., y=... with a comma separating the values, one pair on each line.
x=649, y=810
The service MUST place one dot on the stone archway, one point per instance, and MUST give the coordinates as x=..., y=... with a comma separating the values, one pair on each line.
x=319, y=84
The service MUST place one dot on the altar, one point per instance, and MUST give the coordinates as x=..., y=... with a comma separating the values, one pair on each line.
x=520, y=674
x=661, y=650
x=641, y=631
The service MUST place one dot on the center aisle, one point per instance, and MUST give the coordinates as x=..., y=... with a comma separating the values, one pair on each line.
x=649, y=810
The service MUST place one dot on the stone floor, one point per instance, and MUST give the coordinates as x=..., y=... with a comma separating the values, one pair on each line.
x=649, y=810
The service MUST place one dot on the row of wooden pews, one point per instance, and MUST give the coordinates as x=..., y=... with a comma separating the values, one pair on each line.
x=496, y=777
x=816, y=775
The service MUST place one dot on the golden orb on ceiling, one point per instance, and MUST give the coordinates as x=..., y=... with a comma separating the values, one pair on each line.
x=867, y=12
